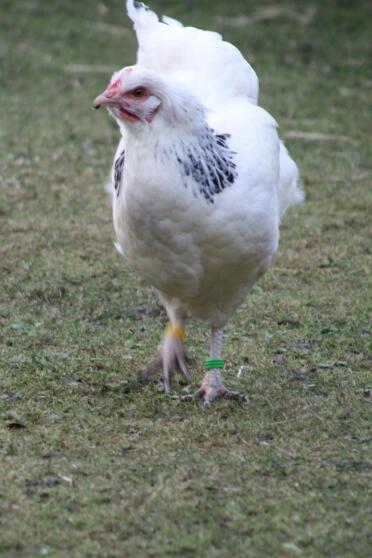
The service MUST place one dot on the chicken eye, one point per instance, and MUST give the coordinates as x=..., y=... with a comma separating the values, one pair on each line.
x=138, y=92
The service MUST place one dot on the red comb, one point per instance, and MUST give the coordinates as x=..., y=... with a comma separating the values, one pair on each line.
x=114, y=86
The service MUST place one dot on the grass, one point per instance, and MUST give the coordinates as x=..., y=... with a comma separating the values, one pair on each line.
x=94, y=465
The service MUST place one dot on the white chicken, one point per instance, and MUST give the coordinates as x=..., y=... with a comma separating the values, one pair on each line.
x=200, y=181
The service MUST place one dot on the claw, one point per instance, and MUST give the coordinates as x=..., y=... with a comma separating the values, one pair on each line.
x=210, y=391
x=173, y=357
x=170, y=357
x=167, y=376
x=182, y=362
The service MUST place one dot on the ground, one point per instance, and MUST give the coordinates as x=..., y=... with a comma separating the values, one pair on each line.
x=92, y=463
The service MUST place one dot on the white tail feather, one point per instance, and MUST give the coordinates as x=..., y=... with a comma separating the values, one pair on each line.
x=289, y=191
x=172, y=22
x=213, y=69
x=141, y=15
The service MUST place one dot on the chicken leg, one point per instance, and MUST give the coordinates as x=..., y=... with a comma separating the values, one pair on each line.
x=171, y=357
x=212, y=387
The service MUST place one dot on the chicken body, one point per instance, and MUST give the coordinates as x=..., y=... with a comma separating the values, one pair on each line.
x=202, y=186
x=201, y=256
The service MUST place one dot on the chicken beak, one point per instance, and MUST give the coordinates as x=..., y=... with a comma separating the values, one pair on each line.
x=101, y=100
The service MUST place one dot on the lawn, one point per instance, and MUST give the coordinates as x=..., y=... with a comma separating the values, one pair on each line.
x=93, y=464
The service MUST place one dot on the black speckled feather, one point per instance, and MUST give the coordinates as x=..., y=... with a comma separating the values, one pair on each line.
x=118, y=171
x=210, y=164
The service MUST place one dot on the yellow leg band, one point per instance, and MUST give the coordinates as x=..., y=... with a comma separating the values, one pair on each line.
x=176, y=330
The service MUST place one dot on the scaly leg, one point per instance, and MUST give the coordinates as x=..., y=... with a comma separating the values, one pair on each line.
x=171, y=356
x=212, y=387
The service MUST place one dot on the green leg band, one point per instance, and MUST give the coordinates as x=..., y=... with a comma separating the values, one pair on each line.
x=214, y=363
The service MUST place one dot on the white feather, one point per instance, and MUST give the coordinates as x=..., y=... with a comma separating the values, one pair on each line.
x=212, y=69
x=202, y=257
